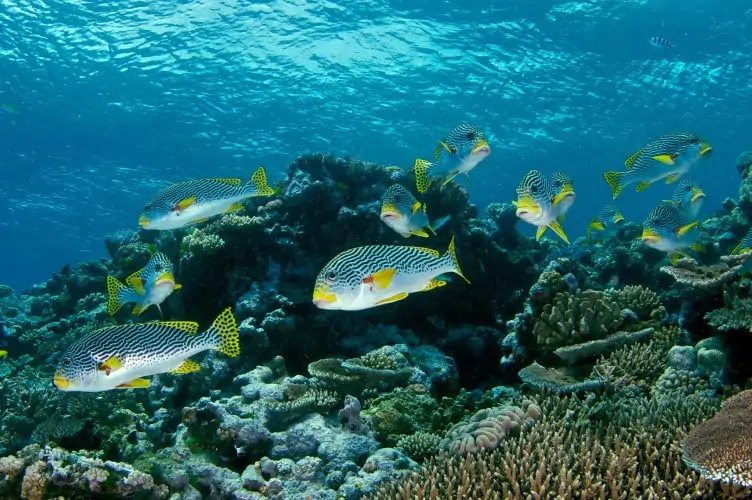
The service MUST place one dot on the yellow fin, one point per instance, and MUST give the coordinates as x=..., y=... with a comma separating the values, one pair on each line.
x=539, y=232
x=185, y=326
x=557, y=199
x=136, y=383
x=260, y=184
x=187, y=366
x=112, y=364
x=697, y=247
x=226, y=329
x=674, y=258
x=673, y=178
x=740, y=249
x=177, y=286
x=114, y=287
x=429, y=251
x=630, y=162
x=393, y=298
x=225, y=180
x=381, y=279
x=183, y=204
x=235, y=207
x=138, y=284
x=597, y=226
x=443, y=146
x=614, y=180
x=198, y=221
x=137, y=310
x=422, y=169
x=642, y=186
x=555, y=227
x=665, y=159
x=434, y=283
x=415, y=207
x=134, y=276
x=420, y=232
x=3, y=353
x=450, y=179
x=685, y=229
x=452, y=252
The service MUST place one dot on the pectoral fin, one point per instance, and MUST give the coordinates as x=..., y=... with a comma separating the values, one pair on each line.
x=381, y=279
x=393, y=298
x=555, y=227
x=136, y=383
x=198, y=221
x=420, y=232
x=235, y=207
x=112, y=364
x=685, y=229
x=665, y=159
x=187, y=366
x=137, y=283
x=183, y=204
x=415, y=207
x=539, y=233
x=434, y=283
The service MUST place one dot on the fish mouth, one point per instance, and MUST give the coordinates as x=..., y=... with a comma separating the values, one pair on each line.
x=322, y=298
x=705, y=149
x=481, y=148
x=697, y=196
x=390, y=216
x=618, y=218
x=527, y=207
x=61, y=382
x=143, y=221
x=649, y=236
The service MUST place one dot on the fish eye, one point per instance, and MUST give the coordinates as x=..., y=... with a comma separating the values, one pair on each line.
x=694, y=140
x=470, y=135
x=147, y=208
x=331, y=276
x=534, y=189
x=67, y=361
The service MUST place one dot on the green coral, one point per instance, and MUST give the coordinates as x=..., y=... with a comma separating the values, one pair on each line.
x=401, y=412
x=676, y=383
x=420, y=445
x=640, y=300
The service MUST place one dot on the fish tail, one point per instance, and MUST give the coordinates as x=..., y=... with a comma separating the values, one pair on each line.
x=422, y=170
x=615, y=181
x=224, y=334
x=258, y=184
x=116, y=294
x=452, y=254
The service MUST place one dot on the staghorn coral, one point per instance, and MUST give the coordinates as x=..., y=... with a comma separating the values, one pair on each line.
x=721, y=448
x=568, y=455
x=737, y=317
x=488, y=428
x=688, y=272
x=575, y=318
x=638, y=299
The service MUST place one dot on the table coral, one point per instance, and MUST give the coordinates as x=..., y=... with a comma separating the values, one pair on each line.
x=689, y=272
x=721, y=448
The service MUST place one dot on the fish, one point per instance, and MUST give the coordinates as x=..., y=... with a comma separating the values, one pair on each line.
x=667, y=229
x=371, y=276
x=123, y=356
x=402, y=212
x=564, y=189
x=689, y=196
x=192, y=202
x=745, y=245
x=660, y=42
x=149, y=286
x=3, y=353
x=606, y=225
x=540, y=202
x=458, y=153
x=669, y=158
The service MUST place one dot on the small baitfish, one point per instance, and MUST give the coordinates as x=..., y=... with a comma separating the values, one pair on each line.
x=371, y=276
x=660, y=42
x=606, y=225
x=146, y=287
x=458, y=153
x=192, y=202
x=690, y=197
x=543, y=203
x=670, y=157
x=121, y=357
x=667, y=229
x=402, y=212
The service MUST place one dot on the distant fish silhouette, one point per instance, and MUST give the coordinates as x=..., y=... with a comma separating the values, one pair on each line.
x=661, y=43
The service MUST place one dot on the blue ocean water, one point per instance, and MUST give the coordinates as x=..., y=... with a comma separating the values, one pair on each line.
x=105, y=102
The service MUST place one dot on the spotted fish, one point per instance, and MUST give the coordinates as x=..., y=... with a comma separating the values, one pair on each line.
x=669, y=157
x=146, y=287
x=457, y=153
x=192, y=202
x=121, y=357
x=667, y=229
x=371, y=276
x=543, y=202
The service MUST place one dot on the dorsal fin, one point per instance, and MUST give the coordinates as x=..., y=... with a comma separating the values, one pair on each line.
x=227, y=180
x=630, y=162
x=429, y=251
x=185, y=326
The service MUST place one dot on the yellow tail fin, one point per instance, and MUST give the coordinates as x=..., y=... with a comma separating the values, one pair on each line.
x=114, y=289
x=452, y=252
x=614, y=180
x=228, y=337
x=422, y=170
x=260, y=185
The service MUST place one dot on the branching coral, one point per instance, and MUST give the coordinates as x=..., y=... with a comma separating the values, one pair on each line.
x=420, y=445
x=488, y=428
x=688, y=272
x=721, y=448
x=737, y=317
x=638, y=299
x=568, y=455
